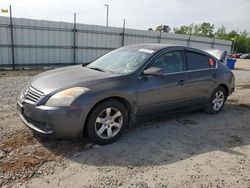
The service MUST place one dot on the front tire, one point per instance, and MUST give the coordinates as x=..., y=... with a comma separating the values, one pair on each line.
x=107, y=122
x=216, y=101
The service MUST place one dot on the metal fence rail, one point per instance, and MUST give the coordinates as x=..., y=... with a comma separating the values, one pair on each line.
x=26, y=42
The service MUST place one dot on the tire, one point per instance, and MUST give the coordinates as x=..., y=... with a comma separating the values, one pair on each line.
x=212, y=108
x=107, y=122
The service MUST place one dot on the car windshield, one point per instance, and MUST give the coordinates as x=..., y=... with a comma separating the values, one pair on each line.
x=121, y=61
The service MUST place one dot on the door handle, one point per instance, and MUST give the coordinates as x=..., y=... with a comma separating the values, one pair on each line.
x=213, y=75
x=181, y=83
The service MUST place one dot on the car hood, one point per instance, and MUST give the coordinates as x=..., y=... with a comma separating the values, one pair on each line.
x=71, y=76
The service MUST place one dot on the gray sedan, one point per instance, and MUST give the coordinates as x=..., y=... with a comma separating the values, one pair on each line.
x=101, y=98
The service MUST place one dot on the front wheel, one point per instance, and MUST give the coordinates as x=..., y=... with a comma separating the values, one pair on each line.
x=216, y=101
x=107, y=122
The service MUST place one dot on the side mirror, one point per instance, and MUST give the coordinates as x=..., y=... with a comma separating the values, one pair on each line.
x=153, y=71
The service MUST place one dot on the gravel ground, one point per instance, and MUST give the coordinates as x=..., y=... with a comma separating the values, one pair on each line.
x=183, y=150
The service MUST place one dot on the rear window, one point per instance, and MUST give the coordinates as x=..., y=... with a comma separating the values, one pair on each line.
x=198, y=61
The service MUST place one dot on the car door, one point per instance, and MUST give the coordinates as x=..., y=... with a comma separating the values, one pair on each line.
x=167, y=91
x=202, y=73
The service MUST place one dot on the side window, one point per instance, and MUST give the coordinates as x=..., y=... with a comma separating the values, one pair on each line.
x=198, y=61
x=170, y=62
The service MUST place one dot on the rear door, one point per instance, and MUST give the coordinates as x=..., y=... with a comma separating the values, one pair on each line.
x=165, y=92
x=202, y=76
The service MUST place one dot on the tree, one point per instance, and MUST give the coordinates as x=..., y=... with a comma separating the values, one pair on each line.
x=207, y=29
x=232, y=35
x=204, y=29
x=241, y=39
x=163, y=28
x=166, y=29
x=183, y=29
x=196, y=30
x=241, y=42
x=248, y=45
x=221, y=33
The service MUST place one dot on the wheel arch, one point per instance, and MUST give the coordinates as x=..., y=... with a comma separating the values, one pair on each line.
x=225, y=87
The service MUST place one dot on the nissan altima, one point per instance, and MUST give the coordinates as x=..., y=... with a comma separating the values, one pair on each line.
x=101, y=98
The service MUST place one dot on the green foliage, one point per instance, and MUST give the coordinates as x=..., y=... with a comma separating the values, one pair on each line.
x=204, y=29
x=241, y=42
x=183, y=29
x=248, y=45
x=241, y=39
x=232, y=35
x=221, y=33
x=163, y=28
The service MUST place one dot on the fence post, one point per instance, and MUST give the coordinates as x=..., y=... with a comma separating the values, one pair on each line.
x=12, y=40
x=233, y=46
x=189, y=39
x=74, y=40
x=213, y=42
x=159, y=38
x=123, y=32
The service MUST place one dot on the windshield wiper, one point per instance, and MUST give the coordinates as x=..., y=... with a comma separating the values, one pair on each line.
x=96, y=68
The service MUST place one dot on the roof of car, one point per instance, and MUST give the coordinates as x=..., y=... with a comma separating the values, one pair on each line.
x=152, y=46
x=156, y=47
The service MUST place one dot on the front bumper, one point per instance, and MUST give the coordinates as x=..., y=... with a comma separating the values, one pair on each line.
x=57, y=122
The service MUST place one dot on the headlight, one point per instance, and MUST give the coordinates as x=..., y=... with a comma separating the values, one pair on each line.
x=66, y=97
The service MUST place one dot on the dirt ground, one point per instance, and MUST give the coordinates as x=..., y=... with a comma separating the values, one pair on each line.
x=191, y=149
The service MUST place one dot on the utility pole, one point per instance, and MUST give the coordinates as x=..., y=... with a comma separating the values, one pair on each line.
x=107, y=21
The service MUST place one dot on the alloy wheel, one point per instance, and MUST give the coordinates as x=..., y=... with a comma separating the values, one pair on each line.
x=108, y=123
x=218, y=100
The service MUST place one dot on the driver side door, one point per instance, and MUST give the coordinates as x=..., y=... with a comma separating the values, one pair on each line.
x=159, y=93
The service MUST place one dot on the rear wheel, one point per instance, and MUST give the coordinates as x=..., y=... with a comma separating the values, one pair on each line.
x=107, y=122
x=217, y=100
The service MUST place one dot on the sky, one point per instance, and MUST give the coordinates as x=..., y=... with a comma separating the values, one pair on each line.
x=139, y=14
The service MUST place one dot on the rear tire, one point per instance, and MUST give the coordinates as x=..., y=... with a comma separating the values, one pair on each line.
x=107, y=121
x=216, y=101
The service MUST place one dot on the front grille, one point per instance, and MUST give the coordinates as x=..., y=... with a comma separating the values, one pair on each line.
x=31, y=94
